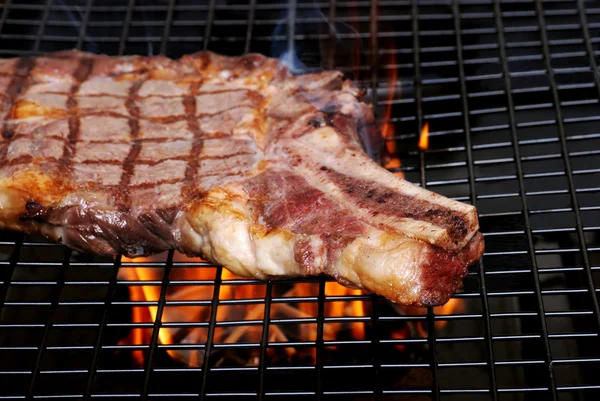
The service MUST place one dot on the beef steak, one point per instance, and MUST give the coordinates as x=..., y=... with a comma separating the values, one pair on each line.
x=231, y=158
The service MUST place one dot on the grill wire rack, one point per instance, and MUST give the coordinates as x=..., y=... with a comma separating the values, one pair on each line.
x=510, y=91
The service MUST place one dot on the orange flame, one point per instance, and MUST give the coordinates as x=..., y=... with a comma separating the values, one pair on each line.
x=453, y=306
x=388, y=130
x=143, y=314
x=424, y=137
x=140, y=292
x=150, y=293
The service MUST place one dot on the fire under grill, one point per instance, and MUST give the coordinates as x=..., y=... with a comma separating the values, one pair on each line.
x=508, y=92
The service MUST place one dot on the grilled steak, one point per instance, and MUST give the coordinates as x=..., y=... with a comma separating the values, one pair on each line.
x=231, y=158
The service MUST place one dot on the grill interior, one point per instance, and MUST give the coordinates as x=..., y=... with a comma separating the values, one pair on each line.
x=510, y=91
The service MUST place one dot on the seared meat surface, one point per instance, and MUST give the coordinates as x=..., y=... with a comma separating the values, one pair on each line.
x=230, y=158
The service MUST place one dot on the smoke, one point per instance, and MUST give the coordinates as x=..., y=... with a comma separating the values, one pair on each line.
x=319, y=40
x=76, y=19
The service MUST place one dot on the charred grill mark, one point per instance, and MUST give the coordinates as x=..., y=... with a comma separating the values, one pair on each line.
x=154, y=184
x=225, y=156
x=15, y=88
x=380, y=200
x=189, y=103
x=134, y=128
x=217, y=92
x=230, y=174
x=80, y=75
x=23, y=159
x=113, y=162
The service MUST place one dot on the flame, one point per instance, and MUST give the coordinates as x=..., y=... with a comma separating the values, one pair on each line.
x=186, y=334
x=147, y=313
x=424, y=137
x=453, y=306
x=139, y=293
x=388, y=129
x=143, y=314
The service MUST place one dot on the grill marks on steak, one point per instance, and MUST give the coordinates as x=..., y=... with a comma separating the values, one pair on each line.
x=12, y=86
x=381, y=200
x=113, y=134
x=230, y=158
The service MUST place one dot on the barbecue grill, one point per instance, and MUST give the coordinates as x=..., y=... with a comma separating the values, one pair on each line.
x=510, y=93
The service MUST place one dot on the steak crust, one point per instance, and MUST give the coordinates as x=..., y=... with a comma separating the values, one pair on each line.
x=230, y=158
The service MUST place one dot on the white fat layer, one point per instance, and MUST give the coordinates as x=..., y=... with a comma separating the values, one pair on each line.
x=275, y=255
x=389, y=265
x=222, y=230
x=316, y=245
x=223, y=236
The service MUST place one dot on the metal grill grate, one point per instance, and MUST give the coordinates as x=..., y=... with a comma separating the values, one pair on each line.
x=510, y=90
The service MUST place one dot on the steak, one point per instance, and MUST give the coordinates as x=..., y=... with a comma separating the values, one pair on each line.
x=230, y=158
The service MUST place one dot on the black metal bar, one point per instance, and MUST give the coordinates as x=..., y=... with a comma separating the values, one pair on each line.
x=567, y=161
x=110, y=293
x=60, y=282
x=320, y=340
x=374, y=65
x=588, y=43
x=38, y=36
x=330, y=61
x=473, y=195
x=250, y=28
x=374, y=44
x=431, y=341
x=211, y=331
x=575, y=203
x=264, y=345
x=209, y=23
x=431, y=335
x=167, y=31
x=157, y=325
x=524, y=203
x=4, y=16
x=375, y=351
x=84, y=24
x=126, y=25
x=8, y=271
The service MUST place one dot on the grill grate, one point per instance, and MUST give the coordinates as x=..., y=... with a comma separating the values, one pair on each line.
x=510, y=90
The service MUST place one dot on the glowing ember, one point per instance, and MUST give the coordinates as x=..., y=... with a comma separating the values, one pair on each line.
x=424, y=138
